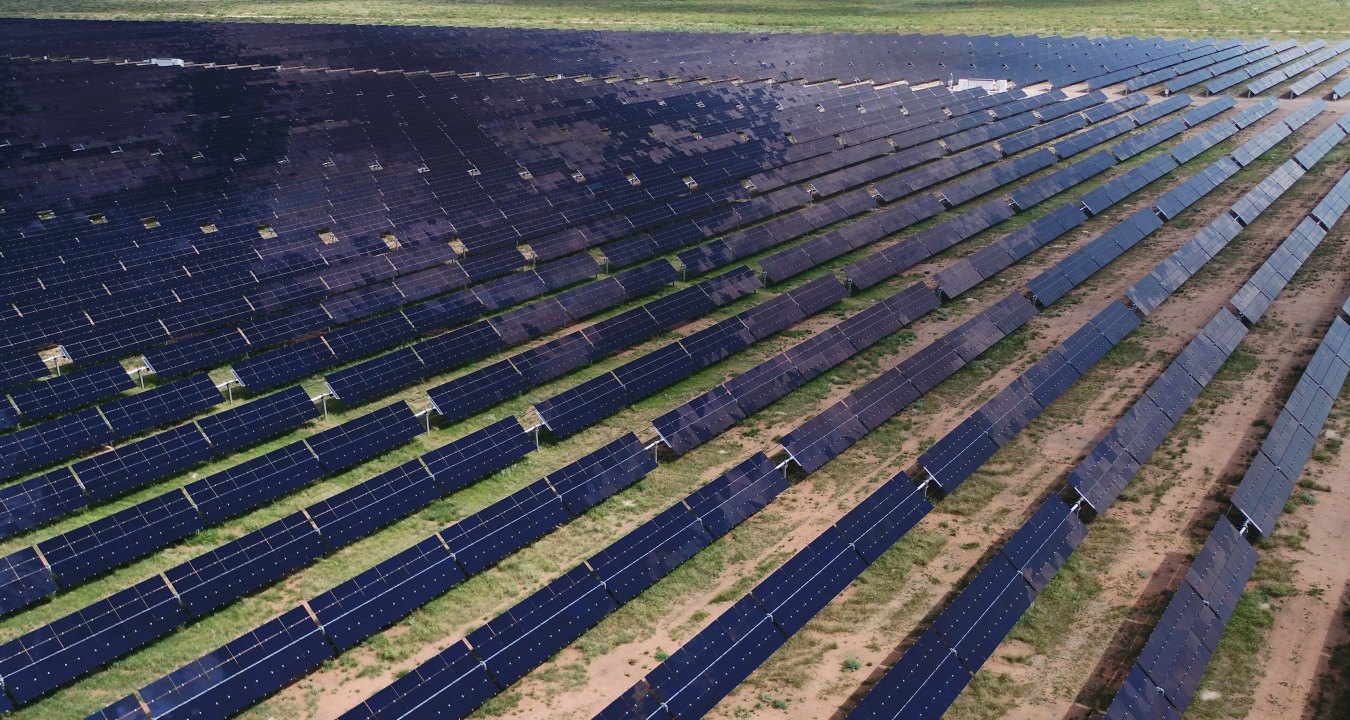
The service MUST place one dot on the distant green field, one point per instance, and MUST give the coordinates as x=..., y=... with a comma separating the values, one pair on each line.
x=1190, y=18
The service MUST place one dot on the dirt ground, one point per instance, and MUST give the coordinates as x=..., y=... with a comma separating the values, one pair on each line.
x=820, y=672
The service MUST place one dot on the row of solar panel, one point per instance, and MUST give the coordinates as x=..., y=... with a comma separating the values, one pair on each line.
x=407, y=362
x=694, y=678
x=708, y=183
x=649, y=55
x=713, y=412
x=1128, y=73
x=866, y=140
x=308, y=357
x=45, y=658
x=825, y=436
x=261, y=662
x=1220, y=68
x=1267, y=139
x=690, y=682
x=466, y=674
x=789, y=262
x=1149, y=292
x=383, y=374
x=785, y=198
x=19, y=368
x=953, y=459
x=895, y=259
x=1329, y=210
x=1101, y=477
x=933, y=671
x=1270, y=478
x=79, y=555
x=39, y=400
x=483, y=388
x=28, y=504
x=1227, y=80
x=1190, y=66
x=585, y=404
x=1167, y=674
x=46, y=443
x=1312, y=79
x=987, y=261
x=366, y=336
x=973, y=625
x=1319, y=76
x=1056, y=281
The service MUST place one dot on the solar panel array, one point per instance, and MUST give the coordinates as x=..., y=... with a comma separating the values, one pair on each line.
x=33, y=502
x=932, y=672
x=1164, y=679
x=1311, y=79
x=1282, y=59
x=424, y=217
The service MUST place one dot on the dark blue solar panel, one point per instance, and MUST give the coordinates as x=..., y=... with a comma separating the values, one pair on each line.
x=552, y=359
x=20, y=368
x=109, y=542
x=715, y=343
x=647, y=278
x=364, y=508
x=43, y=444
x=737, y=494
x=262, y=419
x=179, y=400
x=453, y=683
x=954, y=458
x=484, y=538
x=227, y=680
x=576, y=409
x=128, y=708
x=541, y=625
x=284, y=365
x=76, y=644
x=648, y=374
x=712, y=663
x=384, y=594
x=585, y=482
x=759, y=386
x=1140, y=699
x=823, y=437
x=254, y=483
x=1221, y=570
x=39, y=500
x=24, y=579
x=680, y=306
x=360, y=439
x=803, y=586
x=879, y=400
x=459, y=347
x=216, y=578
x=818, y=294
x=881, y=519
x=927, y=678
x=67, y=392
x=699, y=420
x=462, y=462
x=637, y=560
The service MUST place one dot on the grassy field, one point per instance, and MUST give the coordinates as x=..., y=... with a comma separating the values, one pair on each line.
x=1189, y=18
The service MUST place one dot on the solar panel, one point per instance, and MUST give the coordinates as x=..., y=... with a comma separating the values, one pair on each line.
x=372, y=504
x=821, y=438
x=109, y=542
x=254, y=483
x=262, y=419
x=39, y=500
x=24, y=580
x=20, y=368
x=576, y=409
x=218, y=577
x=483, y=539
x=736, y=494
x=42, y=660
x=454, y=682
x=360, y=439
x=242, y=671
x=67, y=392
x=38, y=445
x=278, y=367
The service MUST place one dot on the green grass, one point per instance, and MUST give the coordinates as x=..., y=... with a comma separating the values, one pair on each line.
x=1191, y=18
